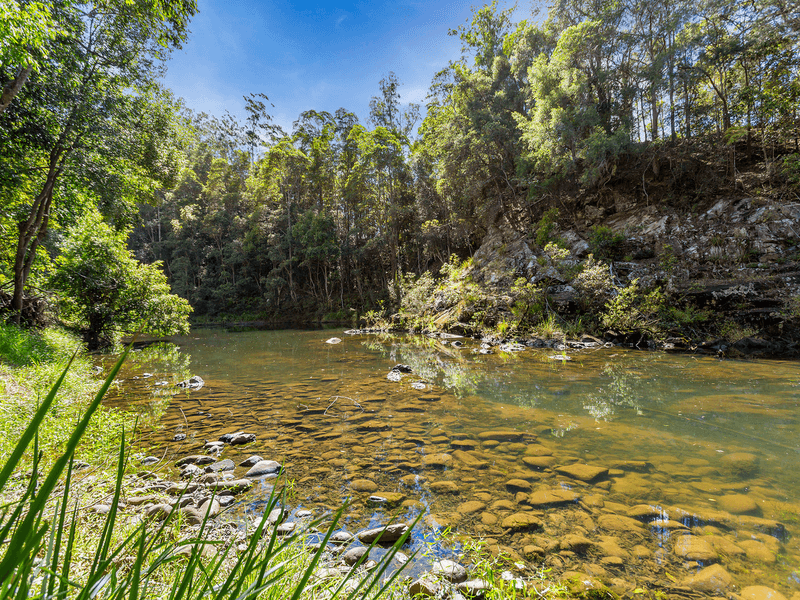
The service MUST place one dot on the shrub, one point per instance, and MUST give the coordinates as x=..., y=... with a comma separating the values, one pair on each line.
x=632, y=311
x=604, y=243
x=546, y=227
x=105, y=290
x=593, y=284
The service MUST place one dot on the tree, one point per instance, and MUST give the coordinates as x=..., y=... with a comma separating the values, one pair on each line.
x=91, y=115
x=105, y=290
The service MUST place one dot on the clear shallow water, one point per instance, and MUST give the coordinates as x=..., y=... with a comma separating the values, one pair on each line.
x=715, y=445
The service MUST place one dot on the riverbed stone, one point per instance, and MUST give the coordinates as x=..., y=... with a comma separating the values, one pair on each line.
x=234, y=486
x=739, y=504
x=552, y=497
x=619, y=523
x=364, y=485
x=473, y=588
x=251, y=461
x=220, y=466
x=341, y=537
x=741, y=464
x=353, y=555
x=452, y=571
x=263, y=468
x=386, y=499
x=646, y=512
x=191, y=471
x=691, y=547
x=582, y=472
x=488, y=519
x=501, y=435
x=158, y=512
x=196, y=459
x=240, y=438
x=522, y=521
x=387, y=534
x=214, y=447
x=758, y=551
x=575, y=543
x=444, y=487
x=539, y=462
x=472, y=506
x=518, y=485
x=610, y=546
x=713, y=580
x=470, y=460
x=760, y=592
x=465, y=444
x=426, y=586
x=439, y=460
x=723, y=545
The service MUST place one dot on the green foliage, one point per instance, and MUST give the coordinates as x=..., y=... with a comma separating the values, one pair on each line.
x=790, y=168
x=604, y=243
x=667, y=259
x=546, y=227
x=593, y=284
x=104, y=289
x=687, y=315
x=634, y=311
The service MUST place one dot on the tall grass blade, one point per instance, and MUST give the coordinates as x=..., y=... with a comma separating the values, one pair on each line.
x=24, y=540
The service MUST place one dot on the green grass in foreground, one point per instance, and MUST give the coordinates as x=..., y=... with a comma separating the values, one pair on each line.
x=30, y=363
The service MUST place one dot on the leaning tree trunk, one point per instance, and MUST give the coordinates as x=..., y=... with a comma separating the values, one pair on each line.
x=31, y=233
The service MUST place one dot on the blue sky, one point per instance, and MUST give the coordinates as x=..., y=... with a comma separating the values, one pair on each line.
x=314, y=55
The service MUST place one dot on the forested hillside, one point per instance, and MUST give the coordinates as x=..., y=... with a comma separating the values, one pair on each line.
x=548, y=131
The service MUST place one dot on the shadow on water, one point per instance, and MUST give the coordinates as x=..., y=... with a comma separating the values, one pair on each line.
x=664, y=463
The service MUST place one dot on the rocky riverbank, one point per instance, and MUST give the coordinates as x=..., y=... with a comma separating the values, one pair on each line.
x=720, y=277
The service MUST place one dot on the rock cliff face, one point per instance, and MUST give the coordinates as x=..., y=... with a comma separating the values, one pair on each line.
x=735, y=261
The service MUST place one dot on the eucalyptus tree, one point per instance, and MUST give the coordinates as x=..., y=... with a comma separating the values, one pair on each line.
x=470, y=136
x=91, y=115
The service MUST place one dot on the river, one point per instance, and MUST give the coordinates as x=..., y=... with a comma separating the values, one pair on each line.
x=633, y=467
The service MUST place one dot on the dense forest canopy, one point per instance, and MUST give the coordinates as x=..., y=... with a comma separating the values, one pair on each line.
x=247, y=217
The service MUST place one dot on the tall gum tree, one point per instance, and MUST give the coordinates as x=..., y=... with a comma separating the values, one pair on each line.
x=89, y=114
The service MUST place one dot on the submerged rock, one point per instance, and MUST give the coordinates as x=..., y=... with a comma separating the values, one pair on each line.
x=364, y=485
x=196, y=459
x=711, y=580
x=741, y=464
x=521, y=521
x=691, y=547
x=194, y=383
x=739, y=504
x=760, y=592
x=583, y=472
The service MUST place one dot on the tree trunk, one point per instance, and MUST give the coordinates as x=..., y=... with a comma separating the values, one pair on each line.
x=31, y=232
x=14, y=86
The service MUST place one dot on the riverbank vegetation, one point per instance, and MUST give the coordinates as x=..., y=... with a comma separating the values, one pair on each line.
x=609, y=130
